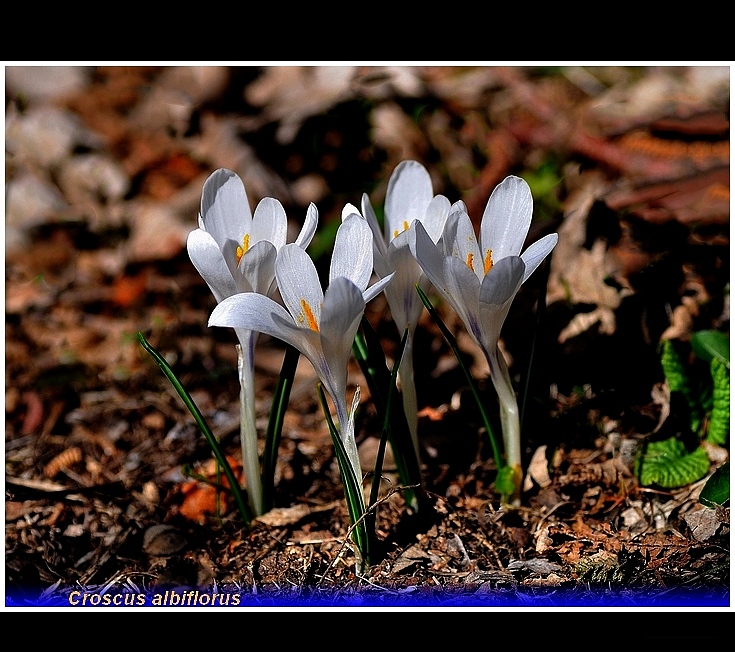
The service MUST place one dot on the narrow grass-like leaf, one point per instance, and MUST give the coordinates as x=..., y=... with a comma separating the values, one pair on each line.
x=470, y=380
x=237, y=492
x=279, y=405
x=371, y=517
x=370, y=356
x=668, y=464
x=352, y=485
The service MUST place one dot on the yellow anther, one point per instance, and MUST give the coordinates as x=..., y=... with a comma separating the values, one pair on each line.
x=470, y=258
x=488, y=260
x=309, y=315
x=405, y=228
x=241, y=251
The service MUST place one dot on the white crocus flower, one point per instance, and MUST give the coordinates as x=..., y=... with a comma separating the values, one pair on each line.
x=235, y=251
x=321, y=325
x=480, y=281
x=410, y=196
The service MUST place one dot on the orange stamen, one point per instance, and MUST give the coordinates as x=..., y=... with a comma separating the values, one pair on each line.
x=241, y=251
x=488, y=260
x=309, y=315
x=470, y=258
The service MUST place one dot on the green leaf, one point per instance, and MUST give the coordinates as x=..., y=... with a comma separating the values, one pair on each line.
x=370, y=356
x=504, y=471
x=370, y=518
x=275, y=423
x=237, y=492
x=668, y=464
x=674, y=370
x=451, y=340
x=352, y=485
x=719, y=426
x=505, y=481
x=679, y=381
x=712, y=344
x=716, y=490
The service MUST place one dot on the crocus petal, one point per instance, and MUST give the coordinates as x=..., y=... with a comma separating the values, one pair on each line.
x=463, y=291
x=348, y=210
x=435, y=216
x=298, y=282
x=460, y=242
x=269, y=223
x=251, y=311
x=352, y=257
x=380, y=262
x=535, y=254
x=369, y=214
x=305, y=340
x=231, y=252
x=503, y=280
x=341, y=314
x=309, y=227
x=225, y=209
x=348, y=437
x=507, y=218
x=257, y=269
x=404, y=301
x=498, y=289
x=428, y=256
x=409, y=193
x=376, y=288
x=254, y=312
x=207, y=257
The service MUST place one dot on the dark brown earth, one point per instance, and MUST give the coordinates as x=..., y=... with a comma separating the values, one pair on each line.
x=629, y=165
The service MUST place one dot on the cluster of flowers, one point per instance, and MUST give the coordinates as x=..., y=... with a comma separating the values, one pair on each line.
x=426, y=241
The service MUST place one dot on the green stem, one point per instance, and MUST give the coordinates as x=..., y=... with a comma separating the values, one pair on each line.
x=248, y=430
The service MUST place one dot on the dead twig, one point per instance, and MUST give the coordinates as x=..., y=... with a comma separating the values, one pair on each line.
x=370, y=509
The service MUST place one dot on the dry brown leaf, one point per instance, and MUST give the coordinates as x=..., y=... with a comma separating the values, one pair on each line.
x=577, y=274
x=538, y=470
x=290, y=94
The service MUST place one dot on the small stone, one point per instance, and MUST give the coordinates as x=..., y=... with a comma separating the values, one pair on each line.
x=162, y=540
